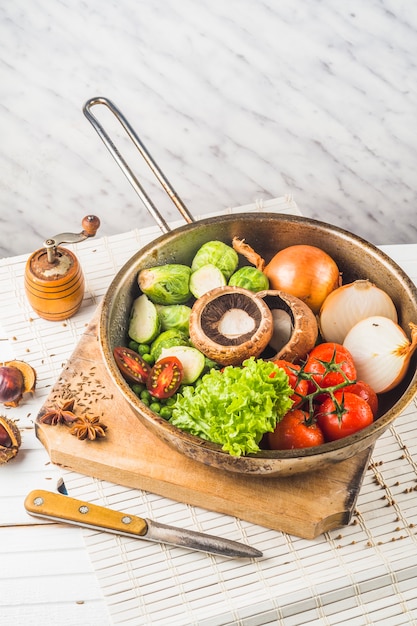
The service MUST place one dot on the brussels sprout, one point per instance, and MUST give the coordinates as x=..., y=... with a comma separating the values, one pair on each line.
x=206, y=278
x=167, y=339
x=192, y=361
x=249, y=278
x=174, y=316
x=144, y=324
x=166, y=284
x=219, y=254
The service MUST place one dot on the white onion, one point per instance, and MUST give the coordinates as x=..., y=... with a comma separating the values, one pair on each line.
x=381, y=351
x=351, y=303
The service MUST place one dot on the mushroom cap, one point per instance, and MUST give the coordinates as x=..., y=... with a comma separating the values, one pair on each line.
x=303, y=321
x=230, y=324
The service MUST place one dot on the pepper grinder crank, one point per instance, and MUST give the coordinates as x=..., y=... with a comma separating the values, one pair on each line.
x=54, y=282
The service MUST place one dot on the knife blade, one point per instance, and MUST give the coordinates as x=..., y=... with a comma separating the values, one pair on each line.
x=62, y=508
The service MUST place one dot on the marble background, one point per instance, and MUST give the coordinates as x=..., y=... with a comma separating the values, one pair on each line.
x=237, y=101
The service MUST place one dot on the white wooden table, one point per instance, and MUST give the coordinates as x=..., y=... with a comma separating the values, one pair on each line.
x=56, y=574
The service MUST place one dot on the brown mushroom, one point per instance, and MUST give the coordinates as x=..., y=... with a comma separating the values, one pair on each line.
x=230, y=324
x=295, y=326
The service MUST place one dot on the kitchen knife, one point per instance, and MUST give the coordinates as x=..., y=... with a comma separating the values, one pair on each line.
x=62, y=508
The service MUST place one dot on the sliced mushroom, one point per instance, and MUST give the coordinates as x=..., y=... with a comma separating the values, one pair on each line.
x=295, y=335
x=230, y=324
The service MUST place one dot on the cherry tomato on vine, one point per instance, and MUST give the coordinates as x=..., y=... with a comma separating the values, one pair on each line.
x=295, y=430
x=326, y=362
x=365, y=391
x=344, y=417
x=299, y=385
x=165, y=377
x=131, y=365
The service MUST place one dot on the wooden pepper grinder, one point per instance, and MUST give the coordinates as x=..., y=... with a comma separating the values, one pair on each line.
x=54, y=282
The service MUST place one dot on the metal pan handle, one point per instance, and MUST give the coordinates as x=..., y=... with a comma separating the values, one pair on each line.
x=150, y=206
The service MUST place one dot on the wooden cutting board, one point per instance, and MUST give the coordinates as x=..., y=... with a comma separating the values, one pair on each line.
x=303, y=505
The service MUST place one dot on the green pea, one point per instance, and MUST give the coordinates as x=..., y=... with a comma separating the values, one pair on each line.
x=145, y=395
x=148, y=358
x=165, y=412
x=155, y=407
x=143, y=348
x=133, y=345
x=137, y=388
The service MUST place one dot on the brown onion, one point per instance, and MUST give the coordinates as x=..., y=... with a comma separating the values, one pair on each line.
x=304, y=271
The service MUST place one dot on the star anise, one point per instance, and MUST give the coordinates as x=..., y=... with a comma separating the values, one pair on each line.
x=60, y=415
x=88, y=428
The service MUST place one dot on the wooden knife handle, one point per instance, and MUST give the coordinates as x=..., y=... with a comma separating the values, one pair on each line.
x=63, y=508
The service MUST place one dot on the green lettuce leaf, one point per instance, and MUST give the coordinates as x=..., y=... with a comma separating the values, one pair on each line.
x=235, y=407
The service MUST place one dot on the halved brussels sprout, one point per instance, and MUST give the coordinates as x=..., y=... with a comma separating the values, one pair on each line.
x=166, y=284
x=167, y=339
x=206, y=278
x=144, y=324
x=192, y=361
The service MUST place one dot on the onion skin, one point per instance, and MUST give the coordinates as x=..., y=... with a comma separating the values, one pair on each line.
x=381, y=351
x=304, y=271
x=349, y=304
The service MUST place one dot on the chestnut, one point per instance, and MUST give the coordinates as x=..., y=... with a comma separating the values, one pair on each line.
x=11, y=385
x=10, y=439
x=16, y=378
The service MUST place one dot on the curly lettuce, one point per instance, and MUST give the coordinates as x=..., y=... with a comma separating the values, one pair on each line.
x=235, y=407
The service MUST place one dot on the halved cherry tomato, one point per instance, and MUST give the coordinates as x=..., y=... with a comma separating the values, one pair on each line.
x=326, y=362
x=165, y=377
x=352, y=413
x=300, y=386
x=365, y=391
x=131, y=365
x=295, y=430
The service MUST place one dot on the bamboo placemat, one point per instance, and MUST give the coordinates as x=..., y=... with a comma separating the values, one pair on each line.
x=361, y=574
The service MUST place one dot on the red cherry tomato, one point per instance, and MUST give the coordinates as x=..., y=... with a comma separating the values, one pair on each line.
x=165, y=377
x=131, y=365
x=365, y=391
x=325, y=362
x=351, y=414
x=295, y=431
x=300, y=386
